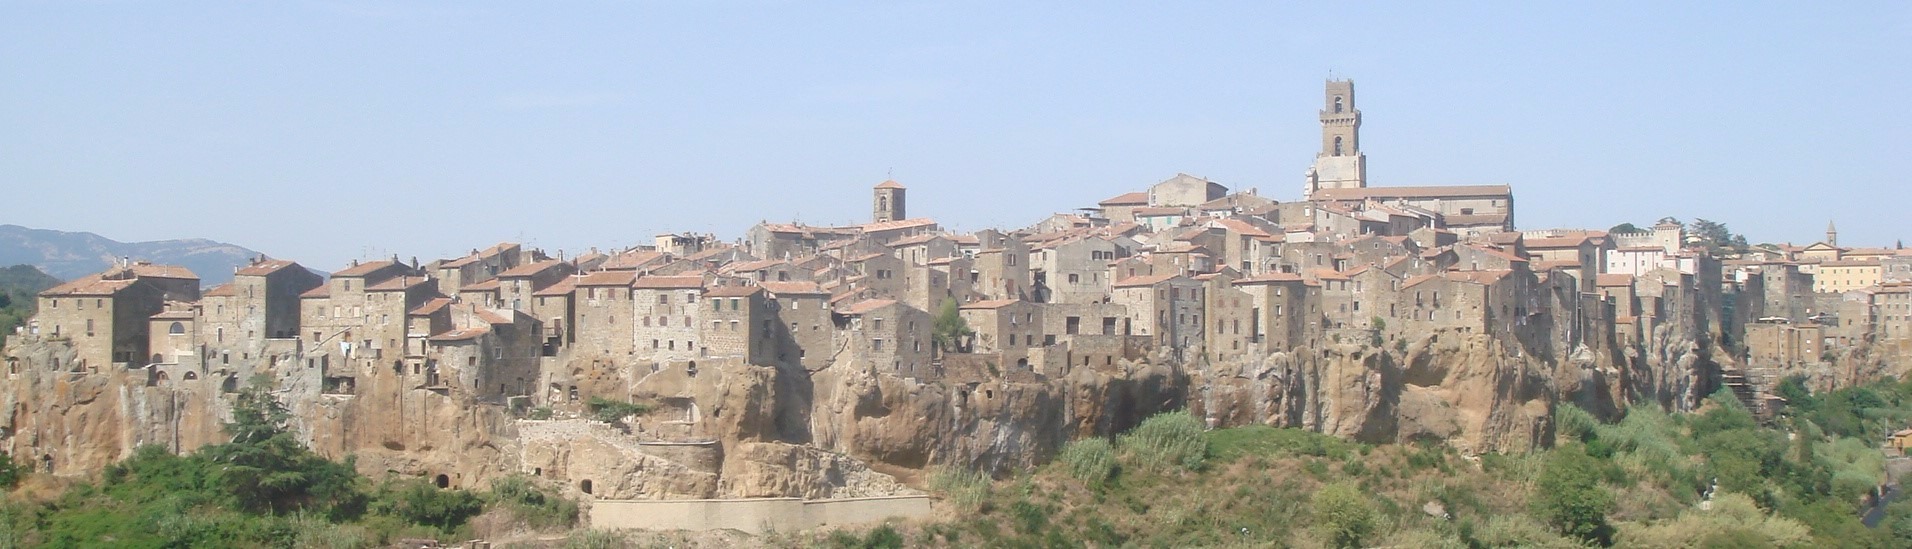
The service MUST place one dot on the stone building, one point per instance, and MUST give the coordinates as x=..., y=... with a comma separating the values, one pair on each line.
x=1184, y=191
x=667, y=313
x=105, y=316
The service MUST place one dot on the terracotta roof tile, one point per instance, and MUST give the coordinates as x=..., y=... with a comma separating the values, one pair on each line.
x=365, y=268
x=734, y=290
x=263, y=268
x=1127, y=199
x=91, y=285
x=431, y=306
x=866, y=306
x=609, y=278
x=678, y=282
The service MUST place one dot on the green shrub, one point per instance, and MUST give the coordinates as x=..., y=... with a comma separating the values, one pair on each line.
x=610, y=411
x=1167, y=441
x=1090, y=460
x=1569, y=496
x=417, y=501
x=1343, y=514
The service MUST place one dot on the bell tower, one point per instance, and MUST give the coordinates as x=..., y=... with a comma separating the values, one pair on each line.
x=1340, y=164
x=887, y=205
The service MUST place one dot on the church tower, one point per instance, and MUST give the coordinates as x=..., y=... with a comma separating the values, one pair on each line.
x=1340, y=164
x=1832, y=235
x=888, y=203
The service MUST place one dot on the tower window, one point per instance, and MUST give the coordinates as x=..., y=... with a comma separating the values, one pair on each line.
x=1337, y=145
x=1337, y=103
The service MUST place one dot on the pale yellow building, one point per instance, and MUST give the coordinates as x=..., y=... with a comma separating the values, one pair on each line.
x=1845, y=276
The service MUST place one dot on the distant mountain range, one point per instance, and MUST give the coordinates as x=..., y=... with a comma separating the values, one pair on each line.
x=73, y=255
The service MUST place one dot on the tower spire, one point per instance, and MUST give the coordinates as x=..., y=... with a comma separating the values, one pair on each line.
x=1832, y=235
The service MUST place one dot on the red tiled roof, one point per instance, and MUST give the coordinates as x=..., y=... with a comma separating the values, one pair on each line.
x=323, y=291
x=679, y=282
x=734, y=290
x=149, y=270
x=431, y=306
x=263, y=268
x=1143, y=280
x=561, y=287
x=530, y=269
x=90, y=285
x=610, y=278
x=1127, y=199
x=399, y=283
x=897, y=224
x=867, y=305
x=365, y=268
x=889, y=184
x=222, y=290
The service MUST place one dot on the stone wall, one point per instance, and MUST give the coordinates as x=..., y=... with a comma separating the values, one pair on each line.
x=755, y=516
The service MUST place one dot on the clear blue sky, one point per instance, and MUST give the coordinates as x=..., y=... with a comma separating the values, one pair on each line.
x=324, y=131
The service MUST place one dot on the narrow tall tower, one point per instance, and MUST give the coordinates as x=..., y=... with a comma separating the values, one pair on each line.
x=888, y=203
x=1832, y=235
x=1340, y=165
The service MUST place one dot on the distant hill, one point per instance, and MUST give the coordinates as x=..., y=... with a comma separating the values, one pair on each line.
x=73, y=255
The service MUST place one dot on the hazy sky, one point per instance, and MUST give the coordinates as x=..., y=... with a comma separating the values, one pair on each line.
x=325, y=131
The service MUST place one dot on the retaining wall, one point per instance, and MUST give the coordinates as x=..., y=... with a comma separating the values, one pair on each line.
x=754, y=515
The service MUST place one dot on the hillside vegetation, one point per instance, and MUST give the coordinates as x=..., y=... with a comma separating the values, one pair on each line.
x=1643, y=481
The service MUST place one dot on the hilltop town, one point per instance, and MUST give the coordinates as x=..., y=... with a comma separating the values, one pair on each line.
x=823, y=361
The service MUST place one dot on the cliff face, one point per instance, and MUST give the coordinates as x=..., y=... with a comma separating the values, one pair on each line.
x=730, y=429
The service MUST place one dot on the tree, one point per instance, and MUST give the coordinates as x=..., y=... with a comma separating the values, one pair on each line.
x=1717, y=238
x=949, y=329
x=1625, y=228
x=266, y=470
x=1569, y=496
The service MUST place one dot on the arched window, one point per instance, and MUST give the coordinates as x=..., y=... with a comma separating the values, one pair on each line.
x=176, y=329
x=1337, y=103
x=1337, y=145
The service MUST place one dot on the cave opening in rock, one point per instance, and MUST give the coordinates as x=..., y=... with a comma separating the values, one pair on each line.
x=584, y=486
x=442, y=481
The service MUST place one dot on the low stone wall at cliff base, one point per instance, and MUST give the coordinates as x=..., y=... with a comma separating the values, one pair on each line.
x=754, y=515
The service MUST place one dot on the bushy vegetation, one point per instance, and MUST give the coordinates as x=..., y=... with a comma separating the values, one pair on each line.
x=1712, y=478
x=262, y=489
x=612, y=411
x=1167, y=441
